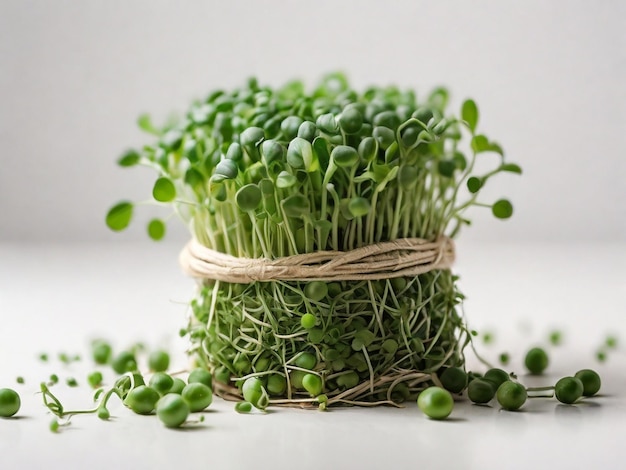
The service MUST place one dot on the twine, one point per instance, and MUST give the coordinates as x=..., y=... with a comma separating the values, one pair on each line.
x=385, y=260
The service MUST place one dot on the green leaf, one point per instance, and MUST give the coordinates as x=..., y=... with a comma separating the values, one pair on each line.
x=344, y=156
x=511, y=168
x=300, y=155
x=156, y=229
x=474, y=184
x=359, y=206
x=130, y=158
x=296, y=206
x=225, y=170
x=249, y=197
x=446, y=168
x=119, y=216
x=480, y=143
x=285, y=180
x=164, y=190
x=144, y=122
x=469, y=113
x=502, y=209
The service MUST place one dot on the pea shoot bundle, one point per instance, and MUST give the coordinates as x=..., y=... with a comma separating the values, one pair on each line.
x=259, y=173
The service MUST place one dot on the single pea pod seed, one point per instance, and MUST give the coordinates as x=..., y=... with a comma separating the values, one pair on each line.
x=568, y=390
x=590, y=380
x=9, y=402
x=172, y=410
x=435, y=402
x=511, y=395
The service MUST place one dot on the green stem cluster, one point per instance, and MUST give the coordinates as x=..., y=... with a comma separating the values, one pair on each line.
x=258, y=172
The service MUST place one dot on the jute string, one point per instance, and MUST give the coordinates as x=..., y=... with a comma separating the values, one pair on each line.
x=385, y=260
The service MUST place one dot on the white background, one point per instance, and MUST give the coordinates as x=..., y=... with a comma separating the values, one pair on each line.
x=548, y=78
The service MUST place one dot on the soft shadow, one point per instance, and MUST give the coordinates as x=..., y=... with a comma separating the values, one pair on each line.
x=192, y=428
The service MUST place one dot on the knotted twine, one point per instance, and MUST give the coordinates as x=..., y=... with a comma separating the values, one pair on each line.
x=384, y=260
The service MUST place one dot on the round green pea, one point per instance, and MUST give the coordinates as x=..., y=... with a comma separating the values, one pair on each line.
x=124, y=362
x=9, y=402
x=590, y=380
x=142, y=399
x=435, y=402
x=177, y=386
x=480, y=391
x=568, y=390
x=511, y=395
x=496, y=376
x=308, y=321
x=306, y=360
x=198, y=396
x=202, y=376
x=161, y=382
x=101, y=352
x=454, y=379
x=313, y=384
x=276, y=384
x=316, y=290
x=536, y=361
x=158, y=361
x=253, y=392
x=172, y=410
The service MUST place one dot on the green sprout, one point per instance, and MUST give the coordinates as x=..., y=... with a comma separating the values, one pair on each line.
x=268, y=173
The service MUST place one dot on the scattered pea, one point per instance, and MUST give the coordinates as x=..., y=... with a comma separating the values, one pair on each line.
x=9, y=402
x=568, y=390
x=511, y=395
x=200, y=375
x=158, y=361
x=198, y=396
x=435, y=402
x=161, y=382
x=142, y=399
x=590, y=380
x=172, y=410
x=454, y=379
x=536, y=361
x=480, y=391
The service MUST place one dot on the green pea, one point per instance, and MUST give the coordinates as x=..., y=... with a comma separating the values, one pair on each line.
x=124, y=362
x=103, y=413
x=161, y=382
x=54, y=425
x=95, y=379
x=101, y=352
x=295, y=378
x=306, y=361
x=316, y=290
x=308, y=321
x=200, y=375
x=172, y=410
x=312, y=383
x=276, y=384
x=158, y=361
x=254, y=392
x=454, y=379
x=435, y=402
x=177, y=386
x=590, y=380
x=198, y=396
x=536, y=361
x=496, y=376
x=511, y=395
x=480, y=391
x=9, y=402
x=142, y=400
x=243, y=407
x=568, y=390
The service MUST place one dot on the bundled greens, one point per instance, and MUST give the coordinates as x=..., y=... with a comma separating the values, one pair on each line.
x=263, y=173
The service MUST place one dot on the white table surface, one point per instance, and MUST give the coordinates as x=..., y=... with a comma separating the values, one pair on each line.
x=57, y=297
